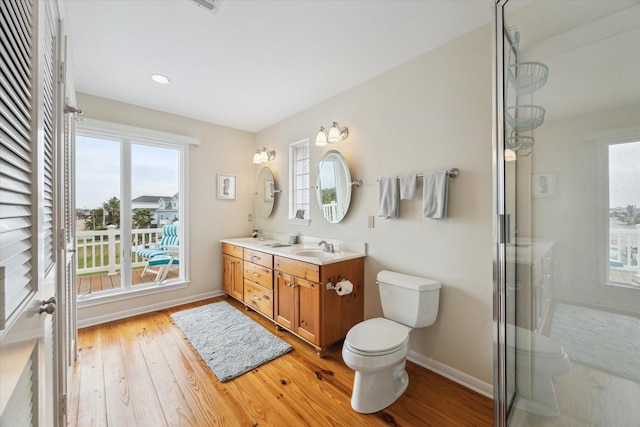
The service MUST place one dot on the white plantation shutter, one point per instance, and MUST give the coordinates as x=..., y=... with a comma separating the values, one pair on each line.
x=16, y=153
x=47, y=159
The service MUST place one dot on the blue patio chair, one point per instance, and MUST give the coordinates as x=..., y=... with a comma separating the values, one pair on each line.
x=167, y=246
x=164, y=262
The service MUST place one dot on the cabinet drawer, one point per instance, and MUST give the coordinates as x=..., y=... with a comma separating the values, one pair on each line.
x=233, y=250
x=259, y=274
x=258, y=257
x=258, y=298
x=297, y=268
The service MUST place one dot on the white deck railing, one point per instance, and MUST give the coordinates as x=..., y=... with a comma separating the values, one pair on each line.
x=99, y=250
x=624, y=243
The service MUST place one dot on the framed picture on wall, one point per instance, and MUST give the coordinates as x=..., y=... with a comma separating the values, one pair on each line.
x=543, y=184
x=226, y=187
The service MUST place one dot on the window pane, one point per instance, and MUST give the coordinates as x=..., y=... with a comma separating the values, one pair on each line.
x=299, y=177
x=98, y=169
x=155, y=204
x=624, y=212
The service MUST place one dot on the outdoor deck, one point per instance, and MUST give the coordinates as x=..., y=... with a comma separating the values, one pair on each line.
x=104, y=282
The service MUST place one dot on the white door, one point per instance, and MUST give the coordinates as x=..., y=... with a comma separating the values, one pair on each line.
x=28, y=269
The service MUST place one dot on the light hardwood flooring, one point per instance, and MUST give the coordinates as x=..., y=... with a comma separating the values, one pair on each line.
x=142, y=371
x=589, y=397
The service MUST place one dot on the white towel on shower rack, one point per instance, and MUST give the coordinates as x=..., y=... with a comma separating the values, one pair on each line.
x=388, y=197
x=408, y=187
x=435, y=194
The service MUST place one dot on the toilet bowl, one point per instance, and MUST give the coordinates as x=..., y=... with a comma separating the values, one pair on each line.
x=376, y=349
x=538, y=359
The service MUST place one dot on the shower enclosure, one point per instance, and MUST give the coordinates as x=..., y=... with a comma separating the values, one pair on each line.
x=567, y=204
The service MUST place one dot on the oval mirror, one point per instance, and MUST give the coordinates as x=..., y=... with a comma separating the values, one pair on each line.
x=265, y=192
x=333, y=186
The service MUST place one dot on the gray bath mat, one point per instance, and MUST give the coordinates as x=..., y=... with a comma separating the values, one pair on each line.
x=227, y=340
x=606, y=341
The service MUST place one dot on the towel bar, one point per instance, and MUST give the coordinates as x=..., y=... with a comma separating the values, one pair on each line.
x=452, y=173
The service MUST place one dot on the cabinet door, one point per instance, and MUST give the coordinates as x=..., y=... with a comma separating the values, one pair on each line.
x=285, y=297
x=232, y=281
x=308, y=310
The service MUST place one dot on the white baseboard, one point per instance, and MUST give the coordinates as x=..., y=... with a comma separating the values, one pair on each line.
x=446, y=371
x=97, y=320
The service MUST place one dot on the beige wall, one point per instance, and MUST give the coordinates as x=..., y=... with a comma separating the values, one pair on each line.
x=431, y=113
x=221, y=150
x=576, y=218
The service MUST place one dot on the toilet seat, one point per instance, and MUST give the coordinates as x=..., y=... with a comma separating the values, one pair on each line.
x=532, y=343
x=378, y=336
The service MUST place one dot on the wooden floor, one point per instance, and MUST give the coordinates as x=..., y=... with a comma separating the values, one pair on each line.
x=142, y=371
x=86, y=285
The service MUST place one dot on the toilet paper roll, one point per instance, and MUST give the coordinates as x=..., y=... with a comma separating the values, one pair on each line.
x=344, y=287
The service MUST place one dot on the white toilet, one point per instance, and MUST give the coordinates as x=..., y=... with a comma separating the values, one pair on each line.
x=538, y=359
x=377, y=348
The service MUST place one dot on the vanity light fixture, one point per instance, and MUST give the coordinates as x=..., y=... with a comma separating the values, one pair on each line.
x=159, y=78
x=321, y=138
x=264, y=155
x=335, y=134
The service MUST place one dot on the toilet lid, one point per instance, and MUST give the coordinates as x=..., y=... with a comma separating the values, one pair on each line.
x=532, y=342
x=377, y=335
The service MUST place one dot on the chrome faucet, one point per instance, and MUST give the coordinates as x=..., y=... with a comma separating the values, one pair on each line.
x=328, y=247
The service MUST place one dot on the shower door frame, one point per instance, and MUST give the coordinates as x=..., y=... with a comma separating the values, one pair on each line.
x=502, y=401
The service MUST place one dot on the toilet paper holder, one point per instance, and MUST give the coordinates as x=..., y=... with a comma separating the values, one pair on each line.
x=339, y=288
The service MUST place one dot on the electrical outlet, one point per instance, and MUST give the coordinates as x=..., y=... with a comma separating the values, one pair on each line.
x=371, y=221
x=249, y=217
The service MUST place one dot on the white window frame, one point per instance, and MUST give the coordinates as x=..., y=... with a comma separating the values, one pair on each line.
x=604, y=140
x=293, y=187
x=130, y=134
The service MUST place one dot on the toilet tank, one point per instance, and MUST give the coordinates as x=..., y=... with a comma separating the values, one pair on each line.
x=410, y=300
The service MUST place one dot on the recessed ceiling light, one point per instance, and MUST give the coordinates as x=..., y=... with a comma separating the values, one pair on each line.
x=159, y=78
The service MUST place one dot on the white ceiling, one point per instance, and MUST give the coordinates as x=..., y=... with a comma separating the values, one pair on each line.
x=254, y=62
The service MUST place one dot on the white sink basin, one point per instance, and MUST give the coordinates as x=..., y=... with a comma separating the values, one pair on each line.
x=316, y=253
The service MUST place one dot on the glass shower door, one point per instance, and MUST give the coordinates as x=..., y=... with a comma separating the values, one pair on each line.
x=568, y=212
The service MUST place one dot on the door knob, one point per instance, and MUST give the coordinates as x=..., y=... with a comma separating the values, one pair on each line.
x=48, y=306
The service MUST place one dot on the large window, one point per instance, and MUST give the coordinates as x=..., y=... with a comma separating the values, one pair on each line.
x=624, y=213
x=300, y=182
x=130, y=210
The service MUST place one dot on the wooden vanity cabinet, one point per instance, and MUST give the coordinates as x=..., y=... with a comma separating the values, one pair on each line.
x=304, y=305
x=232, y=271
x=258, y=281
x=297, y=306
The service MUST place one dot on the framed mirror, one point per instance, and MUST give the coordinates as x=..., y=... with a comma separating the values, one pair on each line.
x=333, y=186
x=265, y=192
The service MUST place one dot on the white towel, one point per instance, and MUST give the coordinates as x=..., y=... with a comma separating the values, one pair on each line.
x=388, y=198
x=434, y=194
x=408, y=187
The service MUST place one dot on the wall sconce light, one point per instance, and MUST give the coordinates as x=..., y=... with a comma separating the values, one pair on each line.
x=321, y=138
x=335, y=134
x=264, y=155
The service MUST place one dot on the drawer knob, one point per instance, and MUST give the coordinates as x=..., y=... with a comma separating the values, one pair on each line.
x=256, y=298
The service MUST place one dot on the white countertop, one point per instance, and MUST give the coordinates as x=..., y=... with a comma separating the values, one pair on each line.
x=290, y=251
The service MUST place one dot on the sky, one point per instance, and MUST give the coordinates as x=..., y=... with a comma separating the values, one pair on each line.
x=154, y=171
x=624, y=174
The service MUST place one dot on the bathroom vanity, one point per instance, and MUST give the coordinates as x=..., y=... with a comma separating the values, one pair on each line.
x=294, y=286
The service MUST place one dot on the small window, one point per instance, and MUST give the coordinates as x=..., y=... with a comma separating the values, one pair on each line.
x=624, y=213
x=300, y=181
